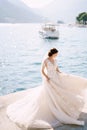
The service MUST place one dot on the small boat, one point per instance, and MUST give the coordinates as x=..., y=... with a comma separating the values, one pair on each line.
x=49, y=31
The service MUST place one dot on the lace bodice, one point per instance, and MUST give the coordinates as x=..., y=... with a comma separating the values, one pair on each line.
x=51, y=68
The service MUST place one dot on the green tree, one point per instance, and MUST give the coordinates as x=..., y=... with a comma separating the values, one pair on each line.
x=82, y=18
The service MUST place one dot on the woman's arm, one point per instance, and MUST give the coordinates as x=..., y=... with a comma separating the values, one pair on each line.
x=43, y=68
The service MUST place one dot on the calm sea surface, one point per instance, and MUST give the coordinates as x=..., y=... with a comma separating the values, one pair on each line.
x=22, y=50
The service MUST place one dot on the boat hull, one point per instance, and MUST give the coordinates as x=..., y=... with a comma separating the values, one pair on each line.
x=49, y=35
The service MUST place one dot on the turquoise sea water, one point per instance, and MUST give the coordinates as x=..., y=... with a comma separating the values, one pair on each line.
x=22, y=50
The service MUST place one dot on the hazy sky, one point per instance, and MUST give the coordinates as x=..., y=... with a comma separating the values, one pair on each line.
x=65, y=10
x=37, y=3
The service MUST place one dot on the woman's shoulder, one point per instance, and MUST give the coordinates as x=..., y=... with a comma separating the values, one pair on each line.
x=46, y=60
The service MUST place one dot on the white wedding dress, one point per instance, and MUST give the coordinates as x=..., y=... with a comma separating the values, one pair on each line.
x=55, y=102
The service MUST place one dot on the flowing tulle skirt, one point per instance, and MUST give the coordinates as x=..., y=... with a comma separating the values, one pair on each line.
x=55, y=102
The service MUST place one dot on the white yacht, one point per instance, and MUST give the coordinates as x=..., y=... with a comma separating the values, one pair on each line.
x=49, y=31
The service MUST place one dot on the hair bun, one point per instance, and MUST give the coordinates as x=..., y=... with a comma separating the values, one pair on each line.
x=49, y=53
x=52, y=51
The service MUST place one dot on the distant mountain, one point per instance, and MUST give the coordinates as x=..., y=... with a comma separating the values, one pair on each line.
x=19, y=3
x=12, y=13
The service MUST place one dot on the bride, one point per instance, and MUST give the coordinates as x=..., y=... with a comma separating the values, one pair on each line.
x=57, y=101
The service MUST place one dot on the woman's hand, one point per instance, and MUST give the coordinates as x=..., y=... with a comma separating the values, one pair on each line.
x=47, y=78
x=57, y=69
